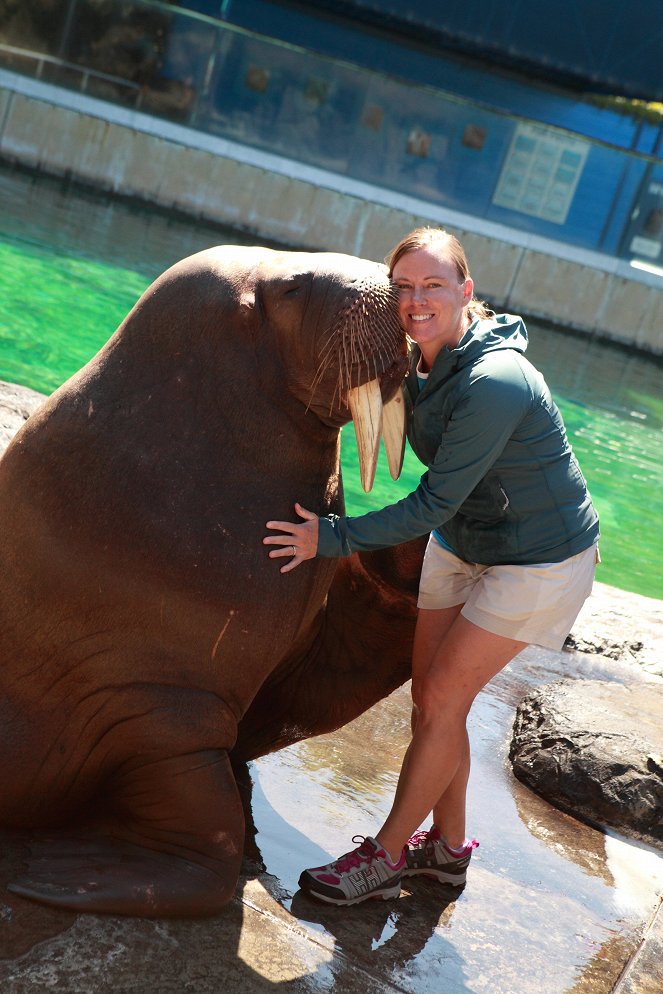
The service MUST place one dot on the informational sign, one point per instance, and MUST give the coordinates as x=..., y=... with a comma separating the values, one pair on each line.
x=646, y=240
x=541, y=173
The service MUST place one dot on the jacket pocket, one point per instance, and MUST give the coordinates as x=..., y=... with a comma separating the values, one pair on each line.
x=488, y=502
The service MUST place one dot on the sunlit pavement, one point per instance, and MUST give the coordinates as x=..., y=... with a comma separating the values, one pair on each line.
x=551, y=906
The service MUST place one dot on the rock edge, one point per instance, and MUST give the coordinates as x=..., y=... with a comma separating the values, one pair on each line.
x=595, y=750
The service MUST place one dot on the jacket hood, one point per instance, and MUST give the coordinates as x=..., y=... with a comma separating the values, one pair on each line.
x=494, y=334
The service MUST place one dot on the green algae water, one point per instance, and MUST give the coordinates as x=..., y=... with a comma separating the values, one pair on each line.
x=72, y=264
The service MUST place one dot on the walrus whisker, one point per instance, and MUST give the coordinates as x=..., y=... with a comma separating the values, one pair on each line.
x=317, y=380
x=366, y=331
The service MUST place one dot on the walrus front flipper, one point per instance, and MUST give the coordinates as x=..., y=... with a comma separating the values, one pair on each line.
x=173, y=847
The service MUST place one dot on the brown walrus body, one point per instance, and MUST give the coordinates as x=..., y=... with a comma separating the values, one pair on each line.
x=144, y=632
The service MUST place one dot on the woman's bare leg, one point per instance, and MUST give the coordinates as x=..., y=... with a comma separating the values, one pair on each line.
x=449, y=812
x=437, y=760
x=432, y=628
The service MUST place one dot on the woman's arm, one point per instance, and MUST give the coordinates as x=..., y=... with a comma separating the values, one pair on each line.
x=481, y=425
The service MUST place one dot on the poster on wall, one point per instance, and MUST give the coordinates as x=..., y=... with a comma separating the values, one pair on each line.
x=541, y=173
x=646, y=235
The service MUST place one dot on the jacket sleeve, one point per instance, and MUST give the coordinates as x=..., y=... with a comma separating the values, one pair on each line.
x=479, y=428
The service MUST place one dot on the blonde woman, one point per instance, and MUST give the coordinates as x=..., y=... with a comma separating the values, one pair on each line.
x=510, y=559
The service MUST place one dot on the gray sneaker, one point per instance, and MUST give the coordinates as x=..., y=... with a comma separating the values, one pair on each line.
x=427, y=854
x=365, y=872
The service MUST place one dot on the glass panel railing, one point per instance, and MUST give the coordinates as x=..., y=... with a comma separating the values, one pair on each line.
x=199, y=71
x=33, y=26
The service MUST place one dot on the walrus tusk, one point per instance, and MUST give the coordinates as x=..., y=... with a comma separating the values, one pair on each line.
x=393, y=432
x=365, y=403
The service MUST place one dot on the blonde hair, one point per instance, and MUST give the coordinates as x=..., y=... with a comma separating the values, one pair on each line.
x=438, y=238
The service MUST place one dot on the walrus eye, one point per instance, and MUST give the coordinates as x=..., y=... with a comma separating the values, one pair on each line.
x=293, y=290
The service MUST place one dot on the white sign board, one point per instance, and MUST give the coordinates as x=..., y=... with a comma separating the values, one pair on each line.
x=541, y=173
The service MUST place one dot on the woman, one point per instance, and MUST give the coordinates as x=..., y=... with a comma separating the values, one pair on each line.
x=510, y=560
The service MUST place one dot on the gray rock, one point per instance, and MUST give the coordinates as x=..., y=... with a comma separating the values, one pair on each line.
x=623, y=626
x=595, y=749
x=16, y=405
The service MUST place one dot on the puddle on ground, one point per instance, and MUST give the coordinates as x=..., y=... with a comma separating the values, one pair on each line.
x=551, y=905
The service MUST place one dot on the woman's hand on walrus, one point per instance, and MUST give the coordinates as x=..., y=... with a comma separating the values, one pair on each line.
x=299, y=541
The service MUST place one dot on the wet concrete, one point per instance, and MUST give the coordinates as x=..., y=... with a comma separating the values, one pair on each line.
x=551, y=905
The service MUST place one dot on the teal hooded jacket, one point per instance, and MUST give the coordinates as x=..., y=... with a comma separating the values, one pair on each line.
x=503, y=485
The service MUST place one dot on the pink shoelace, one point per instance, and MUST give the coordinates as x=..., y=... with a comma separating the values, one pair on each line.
x=417, y=838
x=420, y=837
x=364, y=854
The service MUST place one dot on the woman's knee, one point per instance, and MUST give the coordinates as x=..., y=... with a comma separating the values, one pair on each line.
x=439, y=704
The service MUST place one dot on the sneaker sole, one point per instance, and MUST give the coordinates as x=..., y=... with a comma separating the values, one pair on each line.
x=455, y=879
x=378, y=895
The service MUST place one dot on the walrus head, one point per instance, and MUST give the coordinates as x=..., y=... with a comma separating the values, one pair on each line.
x=337, y=320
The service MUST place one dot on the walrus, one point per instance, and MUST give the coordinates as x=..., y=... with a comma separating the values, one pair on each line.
x=147, y=641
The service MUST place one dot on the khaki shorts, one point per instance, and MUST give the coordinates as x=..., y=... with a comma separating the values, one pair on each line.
x=535, y=604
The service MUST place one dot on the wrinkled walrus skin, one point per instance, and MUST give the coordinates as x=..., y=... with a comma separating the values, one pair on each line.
x=144, y=632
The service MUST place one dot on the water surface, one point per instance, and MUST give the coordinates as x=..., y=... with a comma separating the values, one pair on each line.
x=73, y=263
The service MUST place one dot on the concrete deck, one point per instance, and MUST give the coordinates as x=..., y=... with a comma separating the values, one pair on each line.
x=551, y=906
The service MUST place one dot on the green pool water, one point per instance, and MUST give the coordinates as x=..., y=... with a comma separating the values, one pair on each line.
x=72, y=265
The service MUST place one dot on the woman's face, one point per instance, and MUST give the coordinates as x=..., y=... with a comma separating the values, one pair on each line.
x=432, y=300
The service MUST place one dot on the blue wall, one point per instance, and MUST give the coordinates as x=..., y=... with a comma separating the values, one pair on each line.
x=514, y=94
x=344, y=97
x=606, y=45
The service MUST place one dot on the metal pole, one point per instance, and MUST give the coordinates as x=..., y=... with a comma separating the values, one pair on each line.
x=67, y=29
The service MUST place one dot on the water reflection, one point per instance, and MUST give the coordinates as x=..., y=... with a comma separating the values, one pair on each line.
x=550, y=905
x=71, y=219
x=62, y=244
x=579, y=368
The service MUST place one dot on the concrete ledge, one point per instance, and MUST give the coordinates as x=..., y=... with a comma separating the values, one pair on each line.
x=644, y=972
x=113, y=148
